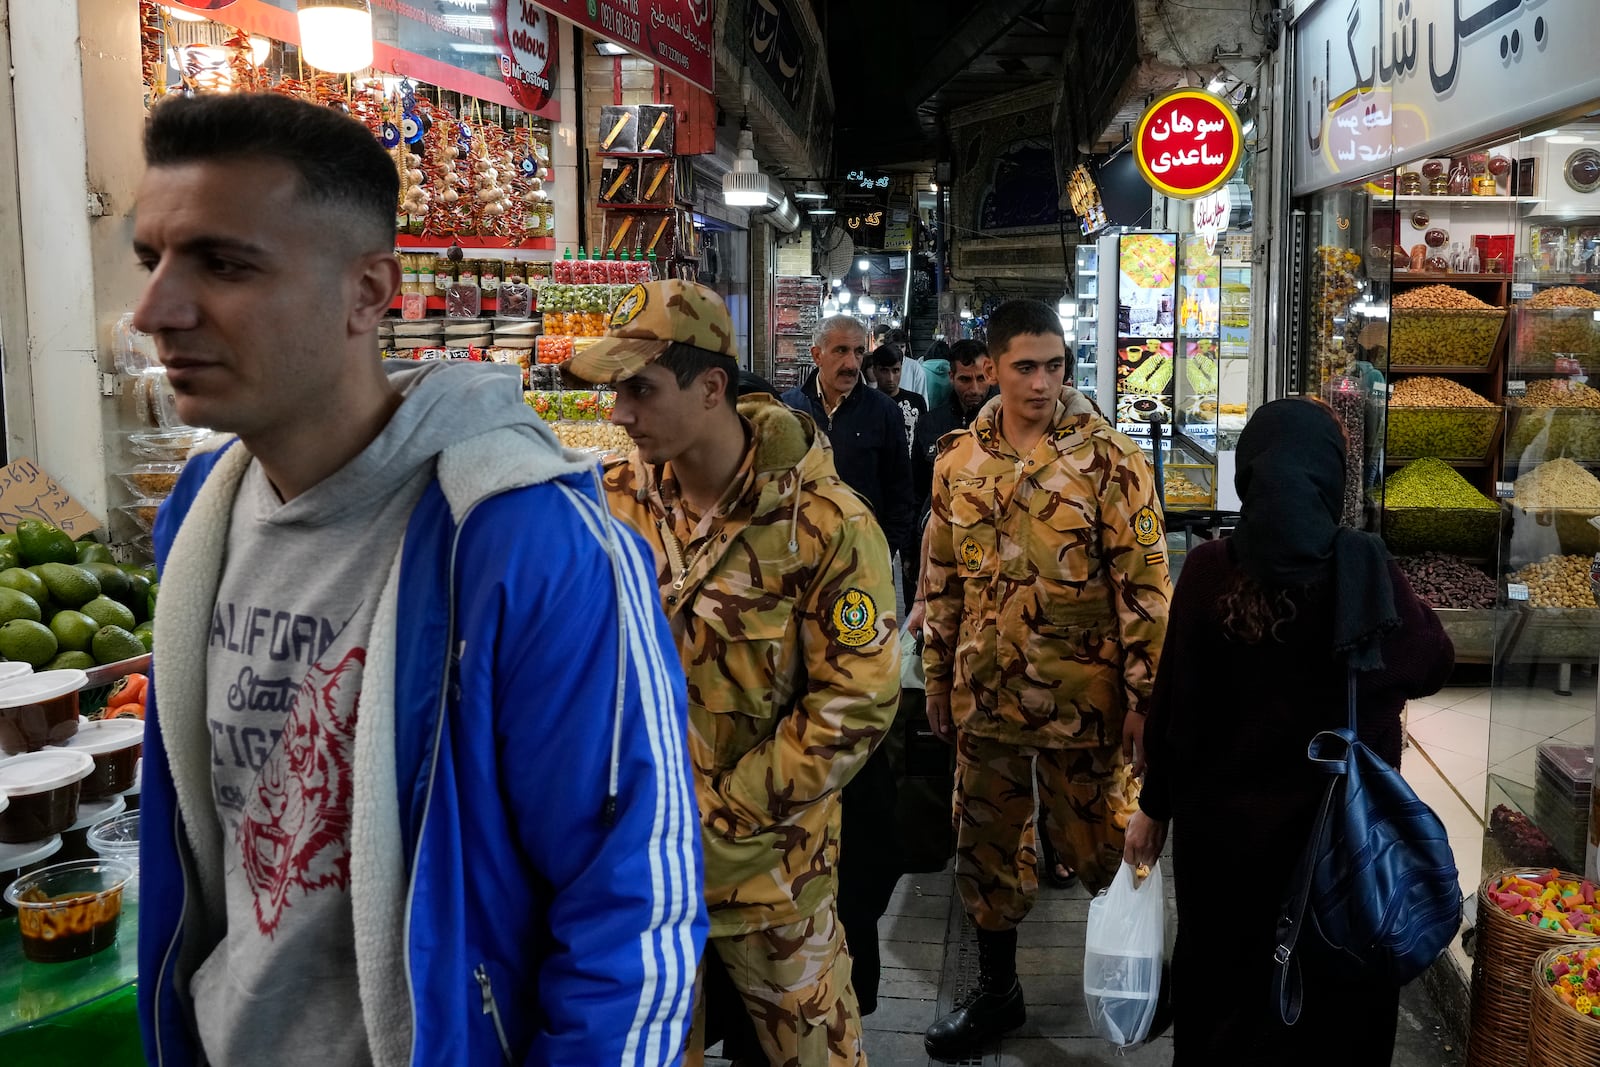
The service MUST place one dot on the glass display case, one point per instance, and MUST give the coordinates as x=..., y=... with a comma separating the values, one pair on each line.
x=1233, y=347
x=1450, y=318
x=1085, y=367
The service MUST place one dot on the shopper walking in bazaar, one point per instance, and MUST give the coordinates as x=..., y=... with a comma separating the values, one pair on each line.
x=777, y=584
x=470, y=836
x=972, y=385
x=867, y=433
x=1281, y=609
x=1047, y=591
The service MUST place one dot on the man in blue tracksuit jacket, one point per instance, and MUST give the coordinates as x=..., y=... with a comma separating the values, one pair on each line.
x=415, y=789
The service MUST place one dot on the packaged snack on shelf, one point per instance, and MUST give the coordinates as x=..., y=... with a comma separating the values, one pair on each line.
x=553, y=349
x=656, y=130
x=619, y=128
x=619, y=183
x=657, y=182
x=463, y=301
x=516, y=301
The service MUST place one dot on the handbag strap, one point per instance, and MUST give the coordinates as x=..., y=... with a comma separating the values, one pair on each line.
x=1288, y=990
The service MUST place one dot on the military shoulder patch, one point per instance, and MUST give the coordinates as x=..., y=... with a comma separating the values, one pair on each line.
x=855, y=618
x=1146, y=526
x=971, y=555
x=630, y=306
x=1154, y=559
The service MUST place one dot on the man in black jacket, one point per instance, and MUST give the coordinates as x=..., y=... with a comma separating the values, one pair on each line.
x=868, y=435
x=972, y=385
x=864, y=426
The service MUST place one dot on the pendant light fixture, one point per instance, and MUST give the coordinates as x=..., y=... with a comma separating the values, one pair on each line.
x=336, y=35
x=745, y=185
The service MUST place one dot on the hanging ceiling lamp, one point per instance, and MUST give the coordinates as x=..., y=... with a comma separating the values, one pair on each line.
x=336, y=35
x=745, y=185
x=866, y=305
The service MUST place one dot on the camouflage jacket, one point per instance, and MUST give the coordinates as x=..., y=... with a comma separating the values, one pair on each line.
x=1047, y=581
x=784, y=615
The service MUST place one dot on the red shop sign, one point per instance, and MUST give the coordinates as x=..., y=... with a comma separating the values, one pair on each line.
x=1188, y=143
x=674, y=34
x=527, y=38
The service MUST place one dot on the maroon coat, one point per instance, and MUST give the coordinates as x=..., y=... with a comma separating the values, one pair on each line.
x=1226, y=738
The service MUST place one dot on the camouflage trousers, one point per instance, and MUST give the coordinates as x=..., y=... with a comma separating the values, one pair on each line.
x=795, y=982
x=1086, y=796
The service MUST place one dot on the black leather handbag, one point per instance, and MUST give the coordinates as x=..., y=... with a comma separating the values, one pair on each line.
x=1377, y=880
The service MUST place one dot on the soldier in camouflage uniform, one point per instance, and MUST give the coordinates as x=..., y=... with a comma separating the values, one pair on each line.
x=1046, y=600
x=776, y=581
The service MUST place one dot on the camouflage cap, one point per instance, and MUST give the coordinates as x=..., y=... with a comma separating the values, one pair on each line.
x=647, y=320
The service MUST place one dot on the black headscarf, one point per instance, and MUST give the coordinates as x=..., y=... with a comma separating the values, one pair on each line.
x=1290, y=476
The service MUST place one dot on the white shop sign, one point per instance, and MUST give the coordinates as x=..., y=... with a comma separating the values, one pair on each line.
x=1379, y=82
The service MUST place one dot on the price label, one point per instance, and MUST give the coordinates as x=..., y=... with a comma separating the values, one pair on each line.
x=1521, y=290
x=1516, y=387
x=1594, y=575
x=1504, y=490
x=1516, y=591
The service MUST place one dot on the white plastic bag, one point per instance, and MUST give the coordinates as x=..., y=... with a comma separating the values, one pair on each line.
x=1125, y=943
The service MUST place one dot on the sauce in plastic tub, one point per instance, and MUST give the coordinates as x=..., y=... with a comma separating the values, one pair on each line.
x=115, y=745
x=43, y=790
x=39, y=709
x=69, y=910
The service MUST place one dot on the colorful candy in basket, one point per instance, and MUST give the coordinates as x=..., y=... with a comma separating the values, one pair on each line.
x=1575, y=978
x=1549, y=902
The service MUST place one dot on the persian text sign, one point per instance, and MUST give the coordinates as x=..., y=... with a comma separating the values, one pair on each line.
x=1188, y=143
x=526, y=34
x=1211, y=213
x=1380, y=83
x=26, y=492
x=675, y=34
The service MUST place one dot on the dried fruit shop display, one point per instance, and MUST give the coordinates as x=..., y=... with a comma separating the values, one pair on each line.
x=1554, y=417
x=1427, y=505
x=1431, y=416
x=1445, y=581
x=1442, y=326
x=1557, y=582
x=1556, y=325
x=1335, y=284
x=1559, y=496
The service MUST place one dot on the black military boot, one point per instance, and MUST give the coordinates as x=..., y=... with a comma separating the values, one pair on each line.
x=994, y=1008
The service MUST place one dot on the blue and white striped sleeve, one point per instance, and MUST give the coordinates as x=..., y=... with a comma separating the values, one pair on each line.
x=627, y=914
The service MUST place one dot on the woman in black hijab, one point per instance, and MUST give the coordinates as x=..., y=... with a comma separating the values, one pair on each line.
x=1262, y=628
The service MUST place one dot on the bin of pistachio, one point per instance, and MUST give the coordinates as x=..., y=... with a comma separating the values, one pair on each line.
x=1556, y=417
x=1557, y=323
x=1442, y=326
x=1438, y=417
x=1562, y=494
x=1428, y=506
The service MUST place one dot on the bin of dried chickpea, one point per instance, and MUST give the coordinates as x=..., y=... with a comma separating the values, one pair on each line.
x=1556, y=417
x=1442, y=326
x=1560, y=493
x=599, y=437
x=1437, y=417
x=1557, y=323
x=1558, y=582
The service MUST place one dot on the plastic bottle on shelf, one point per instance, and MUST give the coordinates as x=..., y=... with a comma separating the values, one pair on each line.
x=655, y=268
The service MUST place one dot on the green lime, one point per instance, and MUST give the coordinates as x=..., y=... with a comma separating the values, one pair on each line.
x=146, y=633
x=28, y=642
x=71, y=661
x=74, y=630
x=39, y=542
x=111, y=644
x=15, y=605
x=113, y=583
x=24, y=581
x=107, y=612
x=69, y=586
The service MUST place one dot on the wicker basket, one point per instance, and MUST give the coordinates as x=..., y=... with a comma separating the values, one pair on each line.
x=1502, y=976
x=1557, y=1035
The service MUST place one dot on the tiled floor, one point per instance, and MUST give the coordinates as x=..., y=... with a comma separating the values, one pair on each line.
x=1462, y=735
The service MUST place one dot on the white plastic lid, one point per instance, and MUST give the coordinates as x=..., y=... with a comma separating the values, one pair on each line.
x=26, y=854
x=92, y=811
x=99, y=736
x=11, y=669
x=42, y=771
x=35, y=688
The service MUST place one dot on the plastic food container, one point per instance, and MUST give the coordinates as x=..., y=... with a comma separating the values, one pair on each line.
x=151, y=481
x=1443, y=338
x=170, y=446
x=142, y=512
x=117, y=838
x=69, y=910
x=39, y=709
x=115, y=745
x=44, y=789
x=17, y=860
x=1445, y=432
